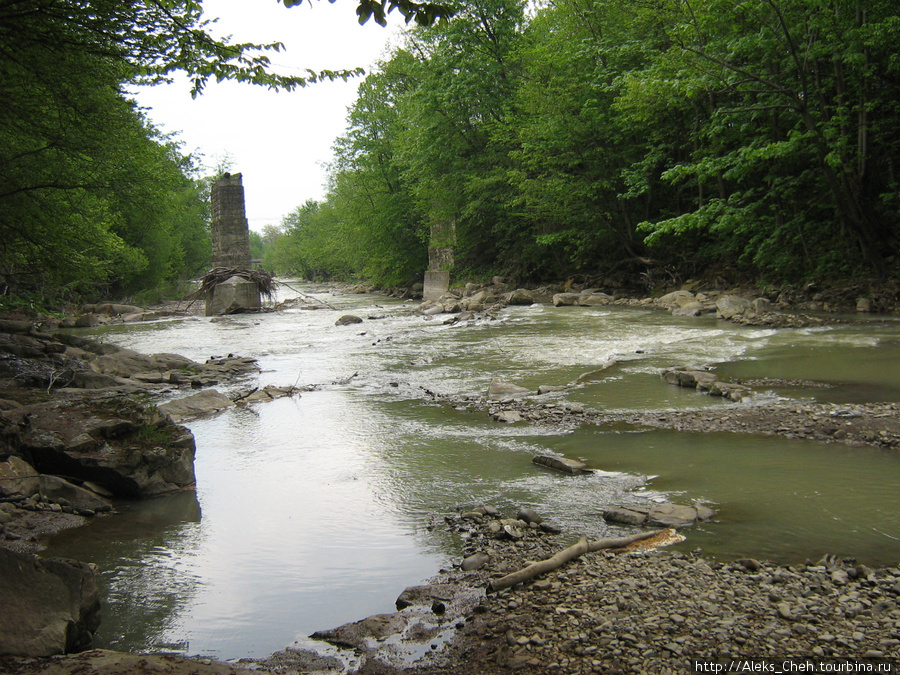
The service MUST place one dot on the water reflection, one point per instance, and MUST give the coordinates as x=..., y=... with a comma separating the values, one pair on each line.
x=135, y=550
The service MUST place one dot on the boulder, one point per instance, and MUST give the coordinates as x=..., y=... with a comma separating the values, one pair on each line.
x=594, y=299
x=49, y=606
x=728, y=306
x=59, y=490
x=676, y=298
x=348, y=320
x=18, y=478
x=733, y=392
x=565, y=299
x=521, y=296
x=357, y=635
x=573, y=467
x=430, y=596
x=500, y=388
x=701, y=380
x=206, y=401
x=481, y=298
x=762, y=305
x=693, y=308
x=112, y=309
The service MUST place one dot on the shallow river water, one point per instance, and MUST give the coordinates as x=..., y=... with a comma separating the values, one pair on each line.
x=315, y=510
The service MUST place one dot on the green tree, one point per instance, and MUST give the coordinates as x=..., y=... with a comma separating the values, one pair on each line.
x=795, y=140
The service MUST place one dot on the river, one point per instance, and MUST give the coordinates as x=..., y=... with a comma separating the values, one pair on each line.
x=315, y=510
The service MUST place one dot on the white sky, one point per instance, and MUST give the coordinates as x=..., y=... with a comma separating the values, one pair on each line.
x=279, y=141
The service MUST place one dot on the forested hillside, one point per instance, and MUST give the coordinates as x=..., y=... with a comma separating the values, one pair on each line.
x=758, y=138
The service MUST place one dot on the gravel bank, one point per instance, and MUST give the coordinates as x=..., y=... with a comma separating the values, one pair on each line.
x=655, y=611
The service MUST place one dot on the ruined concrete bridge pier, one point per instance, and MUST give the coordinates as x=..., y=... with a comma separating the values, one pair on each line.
x=230, y=234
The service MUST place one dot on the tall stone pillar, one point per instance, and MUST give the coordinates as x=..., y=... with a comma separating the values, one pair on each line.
x=230, y=234
x=229, y=228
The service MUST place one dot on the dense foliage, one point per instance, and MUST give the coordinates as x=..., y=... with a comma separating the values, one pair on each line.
x=599, y=136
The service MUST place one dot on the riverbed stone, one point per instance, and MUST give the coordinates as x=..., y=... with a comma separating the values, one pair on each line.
x=508, y=416
x=565, y=299
x=730, y=305
x=520, y=296
x=573, y=467
x=529, y=515
x=499, y=388
x=349, y=320
x=475, y=562
x=549, y=389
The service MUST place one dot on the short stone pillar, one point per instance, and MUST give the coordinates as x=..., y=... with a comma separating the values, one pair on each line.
x=232, y=296
x=437, y=282
x=440, y=260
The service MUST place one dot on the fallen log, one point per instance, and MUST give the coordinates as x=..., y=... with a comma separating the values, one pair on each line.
x=560, y=558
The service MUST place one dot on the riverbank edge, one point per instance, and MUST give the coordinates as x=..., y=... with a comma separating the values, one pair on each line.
x=464, y=645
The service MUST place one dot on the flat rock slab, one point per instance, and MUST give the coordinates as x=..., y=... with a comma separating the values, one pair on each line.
x=573, y=467
x=363, y=634
x=206, y=401
x=116, y=442
x=659, y=515
x=433, y=596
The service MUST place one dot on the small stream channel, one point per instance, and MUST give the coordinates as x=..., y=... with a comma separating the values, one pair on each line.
x=315, y=510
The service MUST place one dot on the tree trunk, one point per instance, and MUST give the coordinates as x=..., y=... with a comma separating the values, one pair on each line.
x=560, y=558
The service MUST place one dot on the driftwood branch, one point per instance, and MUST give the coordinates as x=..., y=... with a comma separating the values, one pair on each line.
x=560, y=558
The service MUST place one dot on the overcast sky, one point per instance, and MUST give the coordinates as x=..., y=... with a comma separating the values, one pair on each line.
x=280, y=142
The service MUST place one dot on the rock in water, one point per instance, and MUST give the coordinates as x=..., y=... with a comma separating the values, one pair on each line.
x=500, y=388
x=570, y=466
